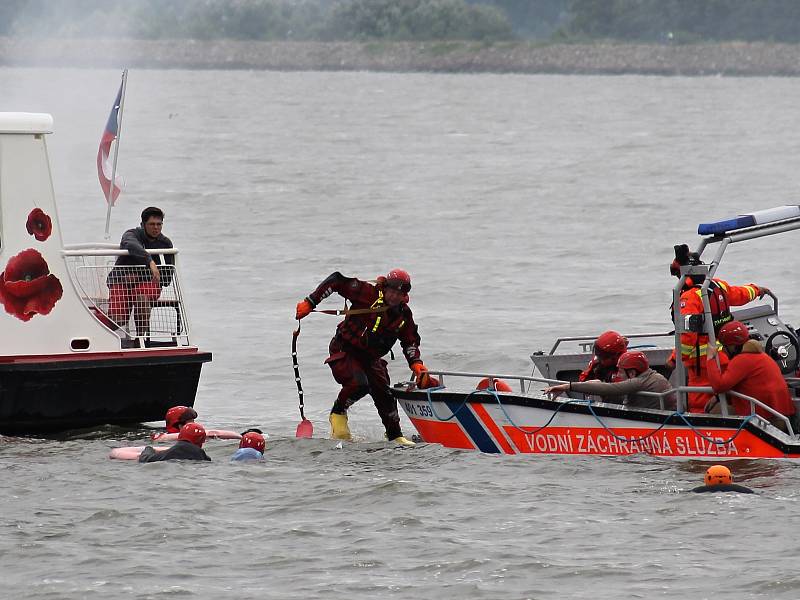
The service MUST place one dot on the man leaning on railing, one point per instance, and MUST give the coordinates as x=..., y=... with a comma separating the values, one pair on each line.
x=136, y=280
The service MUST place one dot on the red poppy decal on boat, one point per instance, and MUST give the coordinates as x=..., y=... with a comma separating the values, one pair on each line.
x=27, y=288
x=39, y=224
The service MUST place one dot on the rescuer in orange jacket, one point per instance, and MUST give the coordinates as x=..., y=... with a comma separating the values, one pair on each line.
x=694, y=340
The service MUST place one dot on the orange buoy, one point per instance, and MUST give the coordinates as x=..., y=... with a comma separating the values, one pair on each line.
x=499, y=385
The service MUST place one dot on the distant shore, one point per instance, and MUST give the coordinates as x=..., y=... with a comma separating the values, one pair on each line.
x=730, y=58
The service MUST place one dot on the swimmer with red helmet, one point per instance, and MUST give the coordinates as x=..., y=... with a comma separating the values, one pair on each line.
x=718, y=478
x=178, y=416
x=189, y=446
x=251, y=446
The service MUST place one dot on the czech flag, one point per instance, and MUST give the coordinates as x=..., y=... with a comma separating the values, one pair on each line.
x=104, y=167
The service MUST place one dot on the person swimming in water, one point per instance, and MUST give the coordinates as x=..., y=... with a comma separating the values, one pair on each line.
x=251, y=446
x=719, y=479
x=178, y=416
x=189, y=446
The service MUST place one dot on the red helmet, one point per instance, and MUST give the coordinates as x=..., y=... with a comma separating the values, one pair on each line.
x=399, y=280
x=178, y=416
x=611, y=342
x=251, y=439
x=733, y=334
x=194, y=433
x=635, y=360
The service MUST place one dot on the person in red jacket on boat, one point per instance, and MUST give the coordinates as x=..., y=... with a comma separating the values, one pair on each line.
x=379, y=317
x=750, y=372
x=608, y=347
x=694, y=341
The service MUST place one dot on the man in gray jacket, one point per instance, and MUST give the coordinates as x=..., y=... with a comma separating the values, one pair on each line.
x=136, y=280
x=636, y=376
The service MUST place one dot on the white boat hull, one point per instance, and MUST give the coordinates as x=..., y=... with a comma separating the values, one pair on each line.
x=505, y=423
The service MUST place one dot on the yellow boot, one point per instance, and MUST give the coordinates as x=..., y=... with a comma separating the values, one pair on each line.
x=339, y=428
x=403, y=441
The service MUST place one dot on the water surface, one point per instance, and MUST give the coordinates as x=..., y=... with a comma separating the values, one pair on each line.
x=525, y=207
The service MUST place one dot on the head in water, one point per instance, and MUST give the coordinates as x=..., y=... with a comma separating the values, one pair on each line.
x=718, y=475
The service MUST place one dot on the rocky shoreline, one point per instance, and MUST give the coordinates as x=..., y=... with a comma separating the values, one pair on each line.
x=733, y=58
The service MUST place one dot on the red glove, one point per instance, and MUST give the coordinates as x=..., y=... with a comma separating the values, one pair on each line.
x=427, y=381
x=423, y=379
x=304, y=308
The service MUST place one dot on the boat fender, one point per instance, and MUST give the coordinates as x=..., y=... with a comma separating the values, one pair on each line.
x=499, y=385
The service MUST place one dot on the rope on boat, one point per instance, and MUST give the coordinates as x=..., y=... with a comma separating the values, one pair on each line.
x=683, y=418
x=500, y=404
x=588, y=403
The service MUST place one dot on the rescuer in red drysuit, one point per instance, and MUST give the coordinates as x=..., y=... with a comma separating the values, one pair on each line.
x=363, y=338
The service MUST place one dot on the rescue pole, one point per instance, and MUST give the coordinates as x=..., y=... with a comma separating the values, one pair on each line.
x=305, y=429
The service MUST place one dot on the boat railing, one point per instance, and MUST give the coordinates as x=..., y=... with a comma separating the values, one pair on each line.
x=587, y=341
x=136, y=318
x=523, y=379
x=754, y=402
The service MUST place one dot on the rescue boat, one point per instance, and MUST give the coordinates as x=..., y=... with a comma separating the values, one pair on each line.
x=526, y=421
x=64, y=361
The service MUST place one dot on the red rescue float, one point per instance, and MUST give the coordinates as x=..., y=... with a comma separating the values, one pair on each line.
x=499, y=385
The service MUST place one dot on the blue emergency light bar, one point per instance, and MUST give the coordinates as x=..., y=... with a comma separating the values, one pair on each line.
x=760, y=217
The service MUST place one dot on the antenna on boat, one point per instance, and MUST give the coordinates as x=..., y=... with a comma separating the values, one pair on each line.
x=113, y=132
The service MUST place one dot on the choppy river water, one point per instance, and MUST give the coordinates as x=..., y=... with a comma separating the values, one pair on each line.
x=525, y=207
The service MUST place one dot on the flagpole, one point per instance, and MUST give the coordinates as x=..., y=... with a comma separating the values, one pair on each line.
x=109, y=198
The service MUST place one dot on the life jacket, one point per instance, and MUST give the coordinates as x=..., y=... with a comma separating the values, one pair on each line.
x=375, y=332
x=720, y=315
x=720, y=308
x=595, y=370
